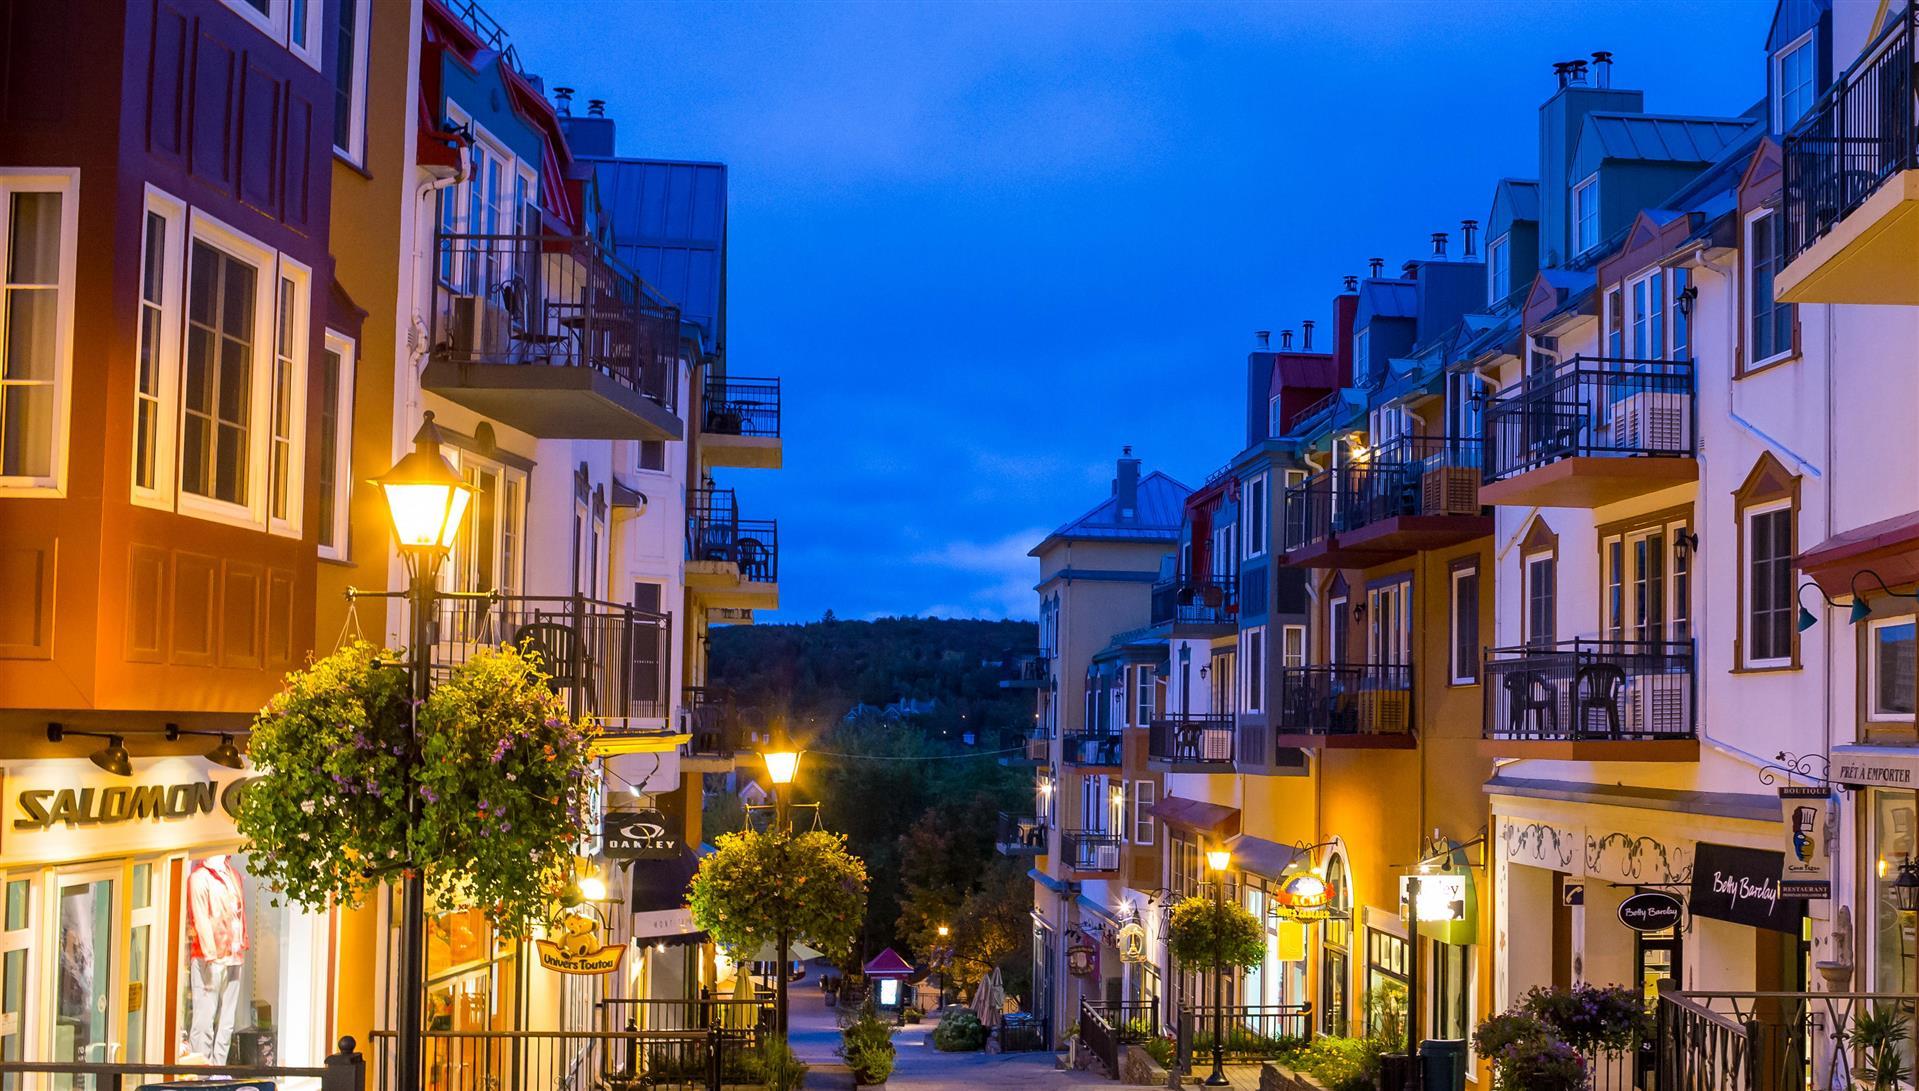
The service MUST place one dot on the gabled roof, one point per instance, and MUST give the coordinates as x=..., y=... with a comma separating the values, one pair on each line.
x=1671, y=138
x=1157, y=517
x=1381, y=298
x=1517, y=198
x=888, y=963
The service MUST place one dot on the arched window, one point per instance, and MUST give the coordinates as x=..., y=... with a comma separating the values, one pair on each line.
x=1335, y=970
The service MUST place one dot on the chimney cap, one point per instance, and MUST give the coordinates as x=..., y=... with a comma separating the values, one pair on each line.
x=1351, y=283
x=1264, y=337
x=596, y=107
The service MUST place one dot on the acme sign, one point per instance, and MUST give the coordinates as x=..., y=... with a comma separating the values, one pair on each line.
x=44, y=808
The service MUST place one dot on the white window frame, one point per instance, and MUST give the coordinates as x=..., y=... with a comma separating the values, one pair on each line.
x=1634, y=320
x=1746, y=317
x=66, y=182
x=202, y=228
x=1780, y=122
x=1624, y=622
x=1526, y=581
x=1144, y=704
x=1256, y=517
x=298, y=368
x=344, y=347
x=1747, y=518
x=277, y=24
x=1292, y=647
x=505, y=579
x=1582, y=242
x=1874, y=714
x=1454, y=673
x=1145, y=794
x=1253, y=697
x=355, y=151
x=1273, y=423
x=1394, y=648
x=1499, y=267
x=167, y=359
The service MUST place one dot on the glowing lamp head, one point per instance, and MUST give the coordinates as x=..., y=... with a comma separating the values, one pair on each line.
x=945, y=931
x=781, y=765
x=1219, y=859
x=592, y=888
x=425, y=496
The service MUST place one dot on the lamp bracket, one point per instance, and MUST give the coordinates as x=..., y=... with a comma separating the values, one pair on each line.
x=1814, y=768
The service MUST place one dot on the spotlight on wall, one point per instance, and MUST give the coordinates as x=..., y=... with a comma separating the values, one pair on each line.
x=224, y=753
x=112, y=757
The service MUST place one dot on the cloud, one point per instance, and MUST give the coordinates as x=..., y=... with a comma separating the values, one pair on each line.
x=1009, y=574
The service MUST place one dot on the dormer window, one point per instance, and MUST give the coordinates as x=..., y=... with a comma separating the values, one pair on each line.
x=1274, y=425
x=1499, y=268
x=1794, y=78
x=1586, y=215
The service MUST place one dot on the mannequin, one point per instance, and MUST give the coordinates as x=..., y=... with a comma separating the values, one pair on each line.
x=216, y=949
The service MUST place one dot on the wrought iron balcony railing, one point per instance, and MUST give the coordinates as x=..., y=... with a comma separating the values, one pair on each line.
x=1410, y=475
x=712, y=722
x=715, y=532
x=1584, y=690
x=1090, y=850
x=1199, y=601
x=1592, y=407
x=1346, y=699
x=1020, y=835
x=550, y=301
x=611, y=660
x=1090, y=747
x=742, y=407
x=1859, y=135
x=1193, y=739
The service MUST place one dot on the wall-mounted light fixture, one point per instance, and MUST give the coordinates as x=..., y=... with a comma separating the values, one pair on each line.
x=224, y=753
x=112, y=757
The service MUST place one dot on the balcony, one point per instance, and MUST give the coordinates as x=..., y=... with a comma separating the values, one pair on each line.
x=1033, y=751
x=1020, y=835
x=610, y=660
x=1089, y=850
x=1591, y=700
x=730, y=562
x=1358, y=706
x=1411, y=494
x=740, y=424
x=551, y=336
x=1029, y=672
x=1193, y=743
x=1852, y=183
x=713, y=729
x=1097, y=748
x=1201, y=606
x=1594, y=431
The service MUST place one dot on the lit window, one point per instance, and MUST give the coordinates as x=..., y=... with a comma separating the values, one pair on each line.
x=1586, y=215
x=1890, y=667
x=37, y=223
x=1794, y=79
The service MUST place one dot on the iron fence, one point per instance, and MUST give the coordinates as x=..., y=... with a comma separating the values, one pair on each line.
x=1091, y=747
x=1090, y=850
x=1855, y=138
x=1768, y=1041
x=715, y=532
x=344, y=1070
x=1193, y=739
x=751, y=1018
x=1129, y=1022
x=1591, y=407
x=1020, y=835
x=1586, y=689
x=1100, y=1037
x=550, y=301
x=1403, y=476
x=612, y=660
x=1253, y=1031
x=711, y=722
x=1200, y=601
x=742, y=407
x=1346, y=699
x=532, y=1060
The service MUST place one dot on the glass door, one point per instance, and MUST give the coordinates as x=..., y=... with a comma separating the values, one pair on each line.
x=17, y=918
x=83, y=1009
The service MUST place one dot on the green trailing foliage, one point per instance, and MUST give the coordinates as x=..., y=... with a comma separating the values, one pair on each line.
x=1341, y=1064
x=502, y=785
x=757, y=882
x=866, y=1045
x=1205, y=933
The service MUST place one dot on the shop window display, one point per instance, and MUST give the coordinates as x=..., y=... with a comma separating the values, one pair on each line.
x=245, y=995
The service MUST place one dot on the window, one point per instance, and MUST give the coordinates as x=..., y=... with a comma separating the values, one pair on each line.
x=487, y=555
x=1890, y=667
x=1769, y=323
x=157, y=357
x=1542, y=580
x=1451, y=990
x=1499, y=268
x=1615, y=323
x=222, y=332
x=1681, y=322
x=350, y=39
x=1255, y=672
x=1586, y=215
x=292, y=23
x=1145, y=693
x=1465, y=627
x=653, y=455
x=1335, y=960
x=1647, y=298
x=38, y=223
x=1255, y=516
x=1388, y=958
x=1769, y=597
x=335, y=468
x=1647, y=581
x=1275, y=427
x=1144, y=794
x=1794, y=79
x=1362, y=363
x=1292, y=646
x=288, y=410
x=1389, y=629
x=1338, y=635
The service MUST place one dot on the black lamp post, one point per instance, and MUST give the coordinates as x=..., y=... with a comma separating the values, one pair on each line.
x=1218, y=860
x=946, y=961
x=427, y=499
x=781, y=766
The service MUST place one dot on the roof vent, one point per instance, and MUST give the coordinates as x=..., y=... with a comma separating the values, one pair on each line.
x=1439, y=244
x=563, y=101
x=1409, y=270
x=1376, y=265
x=1306, y=335
x=1264, y=339
x=1470, y=229
x=1351, y=283
x=1285, y=340
x=596, y=107
x=1602, y=68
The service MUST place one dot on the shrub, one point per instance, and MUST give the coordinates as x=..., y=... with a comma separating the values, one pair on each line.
x=1204, y=932
x=779, y=1068
x=1161, y=1050
x=1591, y=1016
x=1508, y=1028
x=1541, y=1065
x=1342, y=1064
x=867, y=1047
x=959, y=1031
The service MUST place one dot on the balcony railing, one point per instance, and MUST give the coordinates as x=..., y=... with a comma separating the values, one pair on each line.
x=742, y=407
x=712, y=722
x=1762, y=1041
x=1027, y=672
x=1090, y=747
x=611, y=660
x=1020, y=835
x=1253, y=1031
x=715, y=532
x=1591, y=407
x=1210, y=601
x=1854, y=139
x=1090, y=850
x=550, y=301
x=1585, y=690
x=1410, y=475
x=1346, y=699
x=1195, y=739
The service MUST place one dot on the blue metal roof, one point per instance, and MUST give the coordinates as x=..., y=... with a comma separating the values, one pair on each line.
x=1380, y=298
x=1160, y=511
x=1518, y=198
x=668, y=223
x=1656, y=137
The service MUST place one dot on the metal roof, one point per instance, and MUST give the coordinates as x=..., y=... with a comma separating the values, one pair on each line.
x=1521, y=197
x=669, y=226
x=1381, y=298
x=1660, y=137
x=1160, y=511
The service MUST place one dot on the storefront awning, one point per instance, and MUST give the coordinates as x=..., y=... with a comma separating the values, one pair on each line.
x=1262, y=857
x=1197, y=816
x=659, y=898
x=1890, y=547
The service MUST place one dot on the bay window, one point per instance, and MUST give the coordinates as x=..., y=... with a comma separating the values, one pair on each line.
x=38, y=224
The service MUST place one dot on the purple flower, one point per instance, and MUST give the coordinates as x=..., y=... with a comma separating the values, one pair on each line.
x=429, y=794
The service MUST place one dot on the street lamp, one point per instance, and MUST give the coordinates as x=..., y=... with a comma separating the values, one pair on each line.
x=426, y=498
x=781, y=767
x=1218, y=860
x=946, y=956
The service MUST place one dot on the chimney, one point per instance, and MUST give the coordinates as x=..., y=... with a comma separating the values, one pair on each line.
x=1576, y=73
x=1376, y=264
x=596, y=107
x=1602, y=68
x=1126, y=485
x=1409, y=271
x=1560, y=68
x=1351, y=283
x=563, y=101
x=1285, y=340
x=1345, y=316
x=1439, y=244
x=1264, y=338
x=1470, y=229
x=1306, y=335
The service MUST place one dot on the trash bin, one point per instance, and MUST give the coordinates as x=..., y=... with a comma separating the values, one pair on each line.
x=1396, y=1071
x=1442, y=1061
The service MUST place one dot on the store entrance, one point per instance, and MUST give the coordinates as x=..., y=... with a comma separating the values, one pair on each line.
x=1659, y=957
x=83, y=974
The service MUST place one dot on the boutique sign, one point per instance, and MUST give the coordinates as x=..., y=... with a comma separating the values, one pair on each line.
x=65, y=809
x=1742, y=886
x=41, y=808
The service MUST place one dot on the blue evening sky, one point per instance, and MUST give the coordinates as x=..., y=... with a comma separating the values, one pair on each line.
x=986, y=244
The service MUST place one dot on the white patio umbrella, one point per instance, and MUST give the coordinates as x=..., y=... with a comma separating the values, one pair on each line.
x=988, y=997
x=797, y=951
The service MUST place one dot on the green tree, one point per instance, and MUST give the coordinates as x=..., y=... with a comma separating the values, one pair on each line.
x=758, y=883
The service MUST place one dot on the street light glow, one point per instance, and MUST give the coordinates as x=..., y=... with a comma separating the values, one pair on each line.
x=1219, y=859
x=425, y=496
x=781, y=765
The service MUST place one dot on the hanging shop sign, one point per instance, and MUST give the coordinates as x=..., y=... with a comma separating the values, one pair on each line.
x=1444, y=908
x=638, y=835
x=1651, y=911
x=1873, y=770
x=1742, y=886
x=1303, y=898
x=1811, y=829
x=1082, y=956
x=579, y=949
x=1131, y=941
x=1572, y=894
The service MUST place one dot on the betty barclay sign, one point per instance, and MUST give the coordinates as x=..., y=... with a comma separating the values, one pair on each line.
x=1742, y=886
x=1650, y=911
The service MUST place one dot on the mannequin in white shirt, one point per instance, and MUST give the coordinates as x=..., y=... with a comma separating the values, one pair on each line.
x=216, y=949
